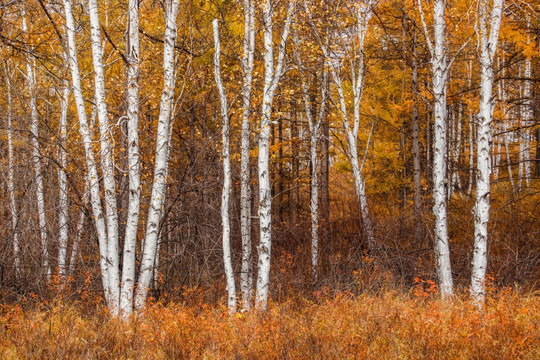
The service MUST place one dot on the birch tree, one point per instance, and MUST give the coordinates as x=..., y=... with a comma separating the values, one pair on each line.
x=162, y=155
x=36, y=152
x=90, y=157
x=63, y=200
x=11, y=184
x=314, y=122
x=107, y=166
x=132, y=222
x=226, y=192
x=471, y=134
x=246, y=278
x=489, y=23
x=272, y=75
x=527, y=115
x=440, y=71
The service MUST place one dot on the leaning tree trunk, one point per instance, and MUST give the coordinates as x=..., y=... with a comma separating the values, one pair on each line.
x=162, y=156
x=107, y=166
x=92, y=176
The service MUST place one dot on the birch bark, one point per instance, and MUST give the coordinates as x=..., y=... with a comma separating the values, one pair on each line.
x=440, y=71
x=314, y=123
x=271, y=79
x=527, y=116
x=471, y=137
x=132, y=222
x=246, y=277
x=63, y=204
x=11, y=184
x=162, y=156
x=91, y=167
x=487, y=41
x=226, y=192
x=107, y=166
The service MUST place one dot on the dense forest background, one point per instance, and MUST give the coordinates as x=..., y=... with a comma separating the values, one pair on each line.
x=190, y=254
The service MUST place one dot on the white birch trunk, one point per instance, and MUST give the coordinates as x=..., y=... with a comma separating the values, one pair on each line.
x=91, y=167
x=471, y=153
x=487, y=39
x=107, y=166
x=246, y=278
x=271, y=79
x=527, y=118
x=11, y=185
x=226, y=192
x=63, y=204
x=162, y=156
x=132, y=221
x=440, y=70
x=314, y=130
x=36, y=156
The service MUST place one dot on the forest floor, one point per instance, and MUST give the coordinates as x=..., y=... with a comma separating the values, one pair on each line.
x=390, y=325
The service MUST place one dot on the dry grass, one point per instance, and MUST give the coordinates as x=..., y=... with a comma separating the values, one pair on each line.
x=391, y=325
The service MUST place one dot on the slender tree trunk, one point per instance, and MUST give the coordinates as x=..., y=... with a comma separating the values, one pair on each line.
x=91, y=167
x=132, y=222
x=63, y=204
x=471, y=153
x=471, y=135
x=162, y=155
x=325, y=193
x=440, y=71
x=271, y=79
x=11, y=184
x=527, y=117
x=36, y=155
x=246, y=277
x=226, y=192
x=294, y=199
x=488, y=44
x=314, y=129
x=107, y=166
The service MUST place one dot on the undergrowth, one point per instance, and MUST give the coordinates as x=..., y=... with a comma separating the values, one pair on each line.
x=390, y=325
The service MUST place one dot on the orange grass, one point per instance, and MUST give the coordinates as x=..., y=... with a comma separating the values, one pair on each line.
x=391, y=325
